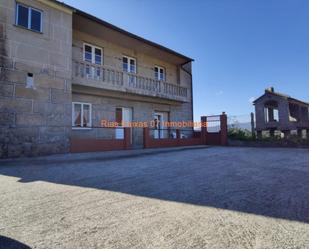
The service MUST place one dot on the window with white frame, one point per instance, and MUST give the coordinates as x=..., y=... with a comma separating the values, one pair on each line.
x=93, y=55
x=81, y=115
x=129, y=64
x=28, y=17
x=159, y=73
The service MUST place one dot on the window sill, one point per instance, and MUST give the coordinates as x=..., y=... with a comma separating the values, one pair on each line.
x=81, y=128
x=22, y=27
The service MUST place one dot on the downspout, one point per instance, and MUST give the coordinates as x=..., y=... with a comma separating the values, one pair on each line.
x=192, y=116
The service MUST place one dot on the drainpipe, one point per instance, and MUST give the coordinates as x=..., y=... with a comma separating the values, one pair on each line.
x=191, y=85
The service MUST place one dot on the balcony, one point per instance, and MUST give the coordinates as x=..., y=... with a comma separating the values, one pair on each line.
x=107, y=78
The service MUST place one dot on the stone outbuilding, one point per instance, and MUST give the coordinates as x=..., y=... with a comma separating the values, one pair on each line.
x=279, y=112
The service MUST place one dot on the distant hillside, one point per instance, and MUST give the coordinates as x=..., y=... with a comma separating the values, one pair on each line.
x=243, y=126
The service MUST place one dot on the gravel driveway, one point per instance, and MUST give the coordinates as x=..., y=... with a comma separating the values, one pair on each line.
x=203, y=198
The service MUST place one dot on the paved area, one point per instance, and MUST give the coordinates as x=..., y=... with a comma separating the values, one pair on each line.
x=199, y=198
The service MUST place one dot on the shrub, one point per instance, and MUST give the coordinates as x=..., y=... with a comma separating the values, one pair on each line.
x=239, y=134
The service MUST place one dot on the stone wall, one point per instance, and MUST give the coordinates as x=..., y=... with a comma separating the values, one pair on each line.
x=143, y=111
x=35, y=120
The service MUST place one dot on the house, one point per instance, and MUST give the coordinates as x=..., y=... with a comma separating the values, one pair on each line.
x=279, y=112
x=63, y=71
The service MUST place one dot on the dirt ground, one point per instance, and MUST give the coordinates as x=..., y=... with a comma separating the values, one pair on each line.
x=197, y=198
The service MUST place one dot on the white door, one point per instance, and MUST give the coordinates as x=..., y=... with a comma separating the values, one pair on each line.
x=127, y=116
x=158, y=125
x=126, y=121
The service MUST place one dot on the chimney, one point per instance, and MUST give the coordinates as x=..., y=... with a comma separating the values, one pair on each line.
x=270, y=89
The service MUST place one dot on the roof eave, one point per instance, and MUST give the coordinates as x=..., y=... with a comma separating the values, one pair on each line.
x=111, y=26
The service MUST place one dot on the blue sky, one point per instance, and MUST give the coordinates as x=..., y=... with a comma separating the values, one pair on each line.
x=240, y=47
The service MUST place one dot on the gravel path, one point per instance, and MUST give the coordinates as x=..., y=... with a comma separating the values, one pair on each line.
x=214, y=198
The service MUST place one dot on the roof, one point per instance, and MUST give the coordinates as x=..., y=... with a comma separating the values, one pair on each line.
x=281, y=95
x=111, y=26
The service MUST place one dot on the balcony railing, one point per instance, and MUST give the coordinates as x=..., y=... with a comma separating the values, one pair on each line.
x=109, y=78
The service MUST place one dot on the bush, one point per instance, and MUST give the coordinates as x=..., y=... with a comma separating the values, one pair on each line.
x=246, y=135
x=239, y=134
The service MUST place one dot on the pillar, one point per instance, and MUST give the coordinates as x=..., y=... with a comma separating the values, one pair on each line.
x=286, y=133
x=259, y=134
x=223, y=129
x=272, y=132
x=127, y=138
x=146, y=137
x=252, y=125
x=300, y=133
x=203, y=129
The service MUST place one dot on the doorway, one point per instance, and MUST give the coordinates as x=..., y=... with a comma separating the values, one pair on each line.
x=124, y=119
x=158, y=125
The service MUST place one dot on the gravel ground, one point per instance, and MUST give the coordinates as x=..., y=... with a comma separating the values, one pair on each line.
x=214, y=198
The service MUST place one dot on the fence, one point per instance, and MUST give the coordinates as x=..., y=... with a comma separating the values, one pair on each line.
x=216, y=130
x=119, y=138
x=241, y=131
x=213, y=133
x=243, y=122
x=170, y=138
x=100, y=139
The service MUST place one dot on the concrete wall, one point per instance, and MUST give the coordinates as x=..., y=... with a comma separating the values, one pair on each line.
x=37, y=120
x=283, y=109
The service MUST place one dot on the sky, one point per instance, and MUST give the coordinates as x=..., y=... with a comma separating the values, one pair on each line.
x=240, y=47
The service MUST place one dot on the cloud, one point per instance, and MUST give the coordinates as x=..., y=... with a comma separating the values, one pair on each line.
x=251, y=99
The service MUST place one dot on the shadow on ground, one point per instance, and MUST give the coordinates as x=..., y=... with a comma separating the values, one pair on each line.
x=8, y=243
x=269, y=183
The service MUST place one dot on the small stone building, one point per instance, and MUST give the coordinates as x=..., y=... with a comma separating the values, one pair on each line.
x=279, y=112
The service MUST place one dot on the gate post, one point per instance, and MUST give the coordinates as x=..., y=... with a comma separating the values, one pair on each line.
x=127, y=138
x=178, y=136
x=146, y=137
x=203, y=129
x=223, y=129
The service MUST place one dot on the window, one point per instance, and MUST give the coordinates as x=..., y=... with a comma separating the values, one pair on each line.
x=276, y=115
x=271, y=114
x=159, y=73
x=29, y=81
x=129, y=64
x=123, y=118
x=28, y=17
x=93, y=54
x=81, y=115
